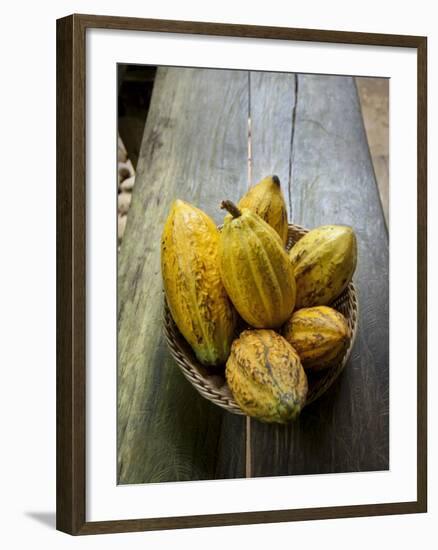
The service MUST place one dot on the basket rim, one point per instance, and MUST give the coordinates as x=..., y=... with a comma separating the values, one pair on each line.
x=220, y=394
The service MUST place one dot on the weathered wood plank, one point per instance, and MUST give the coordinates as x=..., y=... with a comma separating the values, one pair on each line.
x=272, y=100
x=194, y=148
x=332, y=181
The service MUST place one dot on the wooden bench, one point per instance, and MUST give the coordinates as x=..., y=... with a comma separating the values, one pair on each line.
x=308, y=130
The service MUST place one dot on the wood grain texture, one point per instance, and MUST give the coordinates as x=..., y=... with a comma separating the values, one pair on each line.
x=422, y=492
x=70, y=276
x=64, y=274
x=248, y=31
x=272, y=103
x=194, y=148
x=248, y=518
x=332, y=181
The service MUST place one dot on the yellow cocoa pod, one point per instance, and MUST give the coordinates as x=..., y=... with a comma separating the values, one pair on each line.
x=266, y=199
x=194, y=291
x=255, y=269
x=324, y=261
x=265, y=376
x=319, y=335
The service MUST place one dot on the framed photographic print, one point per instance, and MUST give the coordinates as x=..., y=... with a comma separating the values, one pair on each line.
x=241, y=274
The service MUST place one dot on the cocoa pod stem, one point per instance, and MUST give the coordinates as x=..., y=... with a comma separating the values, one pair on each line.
x=232, y=208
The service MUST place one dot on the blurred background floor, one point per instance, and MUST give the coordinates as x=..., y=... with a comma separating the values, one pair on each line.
x=374, y=100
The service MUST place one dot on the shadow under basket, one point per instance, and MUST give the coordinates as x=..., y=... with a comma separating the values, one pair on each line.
x=211, y=383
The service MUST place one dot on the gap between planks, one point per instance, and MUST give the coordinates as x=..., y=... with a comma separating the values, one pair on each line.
x=292, y=136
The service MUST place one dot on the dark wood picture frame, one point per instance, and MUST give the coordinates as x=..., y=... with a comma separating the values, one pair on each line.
x=71, y=273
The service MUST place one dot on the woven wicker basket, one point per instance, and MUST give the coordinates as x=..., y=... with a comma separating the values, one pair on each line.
x=211, y=383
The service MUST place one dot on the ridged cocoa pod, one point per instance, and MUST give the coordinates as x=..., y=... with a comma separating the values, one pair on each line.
x=267, y=201
x=265, y=376
x=194, y=291
x=324, y=261
x=320, y=336
x=255, y=269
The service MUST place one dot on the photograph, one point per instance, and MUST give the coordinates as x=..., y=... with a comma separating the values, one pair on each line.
x=216, y=285
x=252, y=274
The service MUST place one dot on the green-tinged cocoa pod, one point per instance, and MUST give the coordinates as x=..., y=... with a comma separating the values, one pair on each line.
x=194, y=291
x=324, y=261
x=320, y=336
x=255, y=269
x=265, y=376
x=266, y=200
